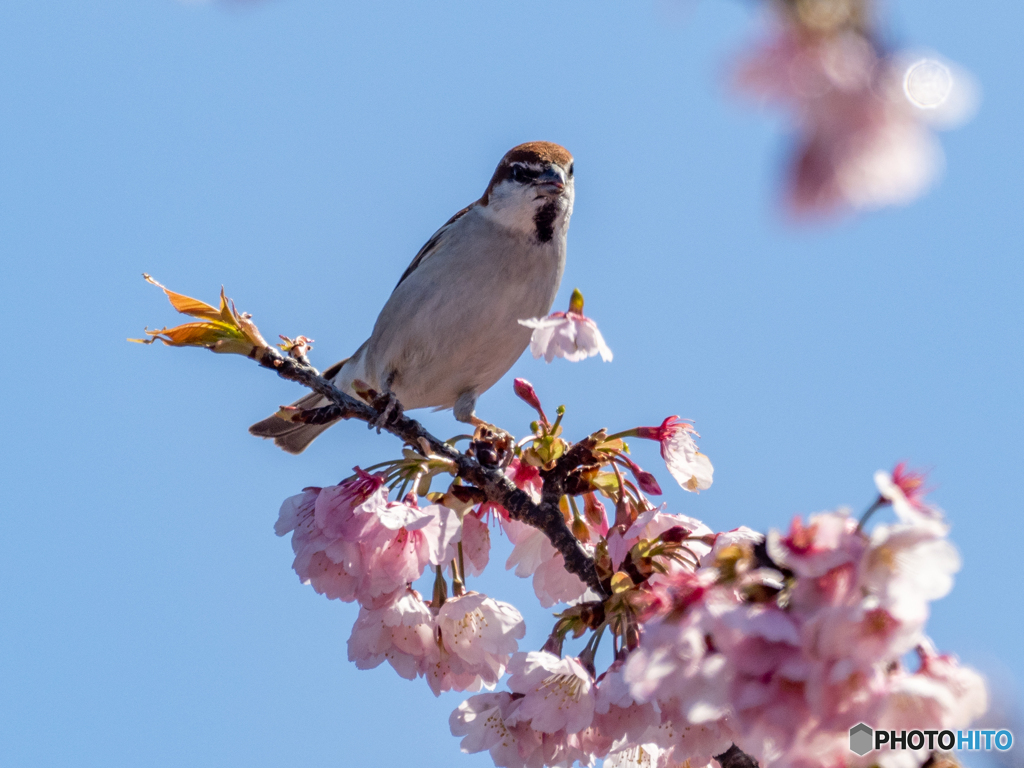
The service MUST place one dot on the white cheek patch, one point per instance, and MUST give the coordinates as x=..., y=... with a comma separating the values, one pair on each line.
x=512, y=205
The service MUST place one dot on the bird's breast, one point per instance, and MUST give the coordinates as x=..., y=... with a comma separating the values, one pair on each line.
x=453, y=324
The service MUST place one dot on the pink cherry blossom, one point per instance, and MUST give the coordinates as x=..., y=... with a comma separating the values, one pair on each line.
x=674, y=664
x=646, y=755
x=907, y=565
x=905, y=490
x=491, y=721
x=829, y=540
x=346, y=511
x=332, y=566
x=351, y=544
x=651, y=524
x=862, y=143
x=396, y=515
x=533, y=555
x=481, y=720
x=476, y=543
x=476, y=637
x=617, y=713
x=691, y=468
x=566, y=334
x=741, y=537
x=401, y=633
x=956, y=696
x=525, y=477
x=482, y=631
x=558, y=694
x=395, y=558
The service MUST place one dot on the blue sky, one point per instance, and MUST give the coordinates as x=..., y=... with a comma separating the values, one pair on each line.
x=300, y=153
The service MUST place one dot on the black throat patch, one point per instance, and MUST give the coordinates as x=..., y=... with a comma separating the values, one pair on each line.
x=544, y=218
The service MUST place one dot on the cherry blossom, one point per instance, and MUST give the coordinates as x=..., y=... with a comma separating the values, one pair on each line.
x=617, y=713
x=570, y=334
x=558, y=694
x=566, y=334
x=346, y=511
x=776, y=643
x=905, y=490
x=351, y=544
x=481, y=721
x=401, y=633
x=526, y=477
x=652, y=524
x=648, y=755
x=863, y=144
x=332, y=566
x=691, y=468
x=476, y=636
x=909, y=564
x=826, y=542
x=480, y=630
x=476, y=543
x=533, y=555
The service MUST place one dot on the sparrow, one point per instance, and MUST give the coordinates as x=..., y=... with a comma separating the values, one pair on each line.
x=450, y=328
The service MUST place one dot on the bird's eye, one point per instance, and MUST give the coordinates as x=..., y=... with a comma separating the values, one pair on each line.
x=571, y=167
x=522, y=175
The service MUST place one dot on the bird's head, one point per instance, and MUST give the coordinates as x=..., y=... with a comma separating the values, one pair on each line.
x=532, y=190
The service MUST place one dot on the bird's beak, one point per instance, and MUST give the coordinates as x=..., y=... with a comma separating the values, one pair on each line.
x=551, y=181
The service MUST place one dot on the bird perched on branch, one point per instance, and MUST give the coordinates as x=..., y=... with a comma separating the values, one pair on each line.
x=450, y=329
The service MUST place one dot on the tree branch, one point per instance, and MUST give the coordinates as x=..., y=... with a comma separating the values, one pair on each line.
x=545, y=516
x=734, y=757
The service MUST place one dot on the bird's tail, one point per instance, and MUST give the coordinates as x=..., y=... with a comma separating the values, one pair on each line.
x=290, y=436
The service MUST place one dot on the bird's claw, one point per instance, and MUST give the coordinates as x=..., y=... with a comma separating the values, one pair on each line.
x=388, y=410
x=492, y=445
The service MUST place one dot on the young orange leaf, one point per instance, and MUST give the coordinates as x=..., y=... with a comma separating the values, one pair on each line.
x=187, y=305
x=223, y=330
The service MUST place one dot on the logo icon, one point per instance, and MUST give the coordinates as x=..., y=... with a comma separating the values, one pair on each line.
x=861, y=738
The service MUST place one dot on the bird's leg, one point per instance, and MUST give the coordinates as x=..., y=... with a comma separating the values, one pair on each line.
x=387, y=406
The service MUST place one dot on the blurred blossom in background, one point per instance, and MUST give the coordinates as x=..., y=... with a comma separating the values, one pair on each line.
x=862, y=114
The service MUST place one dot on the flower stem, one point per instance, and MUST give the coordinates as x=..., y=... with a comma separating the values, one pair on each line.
x=879, y=503
x=462, y=566
x=558, y=420
x=440, y=588
x=620, y=435
x=575, y=510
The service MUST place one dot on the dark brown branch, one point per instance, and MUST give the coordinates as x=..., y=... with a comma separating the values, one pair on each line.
x=545, y=516
x=734, y=757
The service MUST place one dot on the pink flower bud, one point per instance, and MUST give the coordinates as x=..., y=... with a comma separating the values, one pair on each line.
x=593, y=511
x=647, y=483
x=676, y=534
x=524, y=391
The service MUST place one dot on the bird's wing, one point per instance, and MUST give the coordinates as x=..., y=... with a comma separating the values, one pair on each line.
x=431, y=245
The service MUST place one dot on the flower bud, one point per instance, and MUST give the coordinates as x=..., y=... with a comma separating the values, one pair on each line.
x=593, y=510
x=524, y=391
x=647, y=483
x=631, y=637
x=580, y=530
x=675, y=535
x=576, y=302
